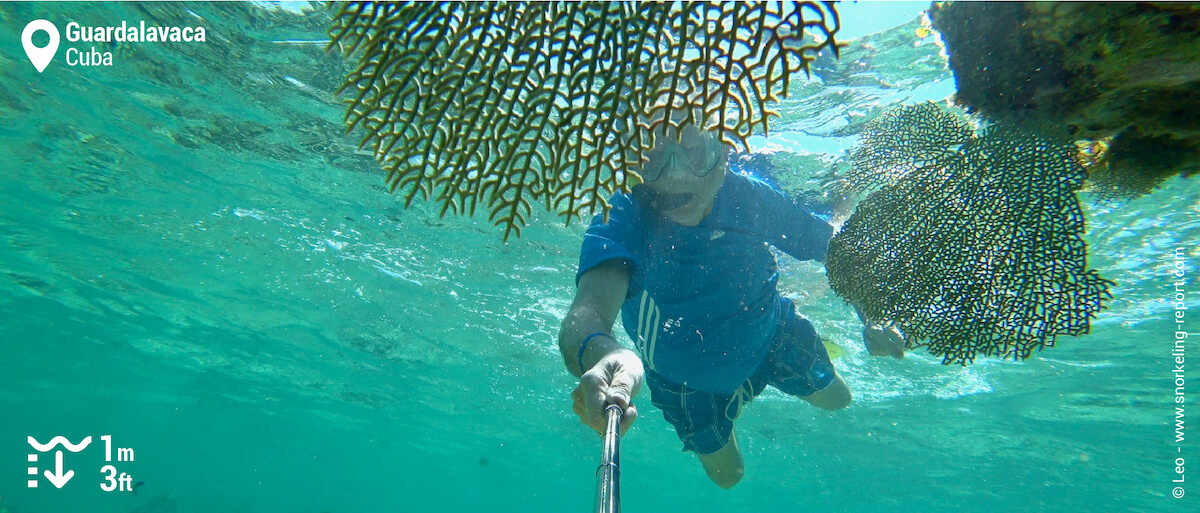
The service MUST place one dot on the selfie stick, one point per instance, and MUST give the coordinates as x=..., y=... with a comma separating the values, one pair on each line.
x=608, y=474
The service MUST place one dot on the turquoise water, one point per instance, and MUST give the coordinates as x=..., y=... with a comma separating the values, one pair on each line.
x=197, y=263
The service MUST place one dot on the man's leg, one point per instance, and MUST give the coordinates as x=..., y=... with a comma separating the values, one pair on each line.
x=724, y=467
x=800, y=366
x=701, y=420
x=833, y=397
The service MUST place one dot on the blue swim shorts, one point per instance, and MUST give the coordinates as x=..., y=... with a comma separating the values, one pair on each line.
x=797, y=365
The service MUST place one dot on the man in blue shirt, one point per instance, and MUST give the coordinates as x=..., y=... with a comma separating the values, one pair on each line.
x=685, y=261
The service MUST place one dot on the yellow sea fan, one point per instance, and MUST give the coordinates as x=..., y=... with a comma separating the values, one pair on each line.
x=509, y=104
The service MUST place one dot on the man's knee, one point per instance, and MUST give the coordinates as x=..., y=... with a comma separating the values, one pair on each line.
x=834, y=397
x=724, y=467
x=726, y=478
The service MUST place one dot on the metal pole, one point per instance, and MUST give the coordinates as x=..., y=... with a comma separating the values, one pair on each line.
x=608, y=474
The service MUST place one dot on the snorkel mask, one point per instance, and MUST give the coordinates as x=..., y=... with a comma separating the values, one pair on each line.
x=701, y=152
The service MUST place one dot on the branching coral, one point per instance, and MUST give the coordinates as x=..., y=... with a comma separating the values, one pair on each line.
x=978, y=250
x=508, y=105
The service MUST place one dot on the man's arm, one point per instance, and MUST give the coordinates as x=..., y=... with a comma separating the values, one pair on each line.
x=608, y=373
x=786, y=224
x=802, y=235
x=597, y=302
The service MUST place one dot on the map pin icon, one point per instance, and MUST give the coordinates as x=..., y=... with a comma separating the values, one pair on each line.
x=40, y=57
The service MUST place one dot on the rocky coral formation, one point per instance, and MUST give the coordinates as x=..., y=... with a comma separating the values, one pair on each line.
x=1122, y=75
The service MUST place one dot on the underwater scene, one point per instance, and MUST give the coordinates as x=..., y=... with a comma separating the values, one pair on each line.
x=214, y=297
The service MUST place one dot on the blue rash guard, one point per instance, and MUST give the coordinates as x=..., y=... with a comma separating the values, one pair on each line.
x=702, y=304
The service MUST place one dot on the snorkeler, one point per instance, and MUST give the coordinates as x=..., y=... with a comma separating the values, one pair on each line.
x=684, y=259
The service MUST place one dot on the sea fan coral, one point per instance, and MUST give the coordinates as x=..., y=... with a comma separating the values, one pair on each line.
x=507, y=104
x=977, y=248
